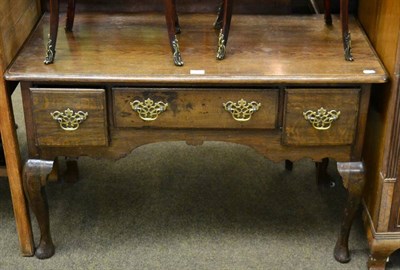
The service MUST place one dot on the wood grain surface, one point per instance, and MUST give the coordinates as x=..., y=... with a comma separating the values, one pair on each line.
x=201, y=108
x=298, y=131
x=92, y=131
x=133, y=48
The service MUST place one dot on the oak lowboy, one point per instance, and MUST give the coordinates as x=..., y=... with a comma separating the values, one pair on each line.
x=285, y=105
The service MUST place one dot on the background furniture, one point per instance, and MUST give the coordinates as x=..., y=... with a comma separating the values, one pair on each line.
x=381, y=20
x=17, y=18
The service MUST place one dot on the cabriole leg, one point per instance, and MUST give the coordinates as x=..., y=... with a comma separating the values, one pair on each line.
x=35, y=176
x=353, y=180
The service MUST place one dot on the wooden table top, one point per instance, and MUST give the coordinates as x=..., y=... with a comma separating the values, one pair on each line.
x=133, y=48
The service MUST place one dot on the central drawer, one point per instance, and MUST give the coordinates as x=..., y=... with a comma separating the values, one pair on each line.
x=195, y=108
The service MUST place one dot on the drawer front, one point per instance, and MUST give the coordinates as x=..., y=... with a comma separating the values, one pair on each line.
x=196, y=108
x=320, y=116
x=69, y=117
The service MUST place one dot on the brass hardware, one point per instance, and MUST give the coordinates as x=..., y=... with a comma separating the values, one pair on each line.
x=321, y=119
x=69, y=120
x=49, y=52
x=177, y=53
x=242, y=110
x=347, y=47
x=148, y=110
x=221, y=46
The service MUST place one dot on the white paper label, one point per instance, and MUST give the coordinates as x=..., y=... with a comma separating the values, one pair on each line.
x=369, y=71
x=197, y=72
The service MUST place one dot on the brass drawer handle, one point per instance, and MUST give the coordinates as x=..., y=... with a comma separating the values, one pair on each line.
x=148, y=110
x=321, y=119
x=242, y=110
x=69, y=120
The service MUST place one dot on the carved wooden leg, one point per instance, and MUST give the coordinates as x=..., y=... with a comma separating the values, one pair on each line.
x=328, y=16
x=354, y=180
x=220, y=16
x=344, y=18
x=288, y=165
x=224, y=33
x=35, y=176
x=323, y=178
x=171, y=19
x=70, y=16
x=51, y=45
x=72, y=173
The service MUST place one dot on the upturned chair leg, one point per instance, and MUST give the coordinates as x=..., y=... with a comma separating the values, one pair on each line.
x=220, y=16
x=176, y=19
x=344, y=18
x=328, y=16
x=224, y=33
x=70, y=16
x=54, y=19
x=171, y=18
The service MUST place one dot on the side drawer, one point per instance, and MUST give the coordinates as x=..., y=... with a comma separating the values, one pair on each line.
x=320, y=116
x=201, y=108
x=69, y=117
